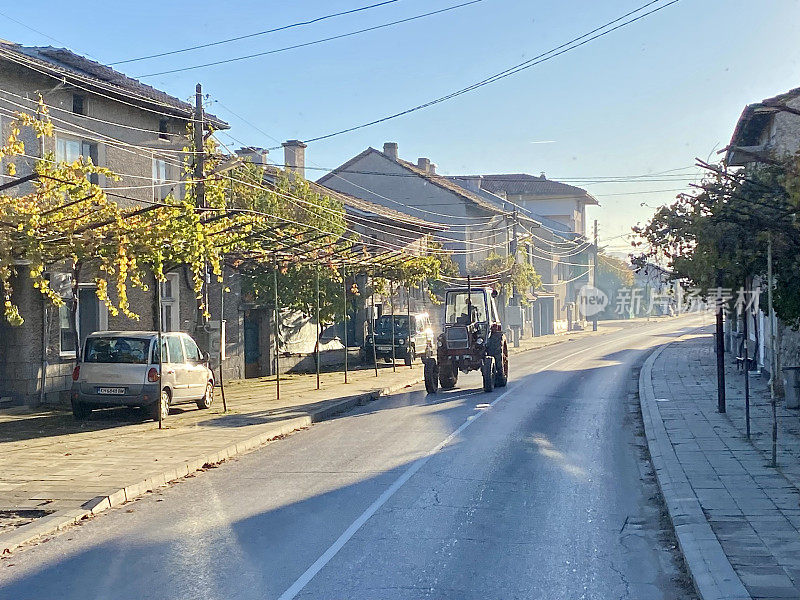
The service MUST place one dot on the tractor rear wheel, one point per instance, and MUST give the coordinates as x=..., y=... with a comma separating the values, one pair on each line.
x=498, y=349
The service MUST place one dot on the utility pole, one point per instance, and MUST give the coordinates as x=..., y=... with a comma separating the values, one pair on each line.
x=594, y=273
x=720, y=355
x=747, y=361
x=774, y=355
x=198, y=176
x=344, y=296
x=199, y=149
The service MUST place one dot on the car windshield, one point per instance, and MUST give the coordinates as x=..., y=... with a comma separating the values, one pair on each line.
x=456, y=309
x=384, y=324
x=127, y=350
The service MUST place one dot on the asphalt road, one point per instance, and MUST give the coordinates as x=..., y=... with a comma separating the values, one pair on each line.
x=539, y=490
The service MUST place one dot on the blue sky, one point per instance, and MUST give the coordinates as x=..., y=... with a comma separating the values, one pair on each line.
x=645, y=99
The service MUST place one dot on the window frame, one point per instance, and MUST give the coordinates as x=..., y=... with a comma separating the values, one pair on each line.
x=170, y=303
x=81, y=99
x=160, y=186
x=87, y=149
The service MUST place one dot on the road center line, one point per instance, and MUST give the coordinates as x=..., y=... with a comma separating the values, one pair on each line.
x=323, y=560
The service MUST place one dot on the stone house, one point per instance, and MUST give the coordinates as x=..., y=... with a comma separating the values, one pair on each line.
x=766, y=132
x=137, y=132
x=479, y=222
x=377, y=229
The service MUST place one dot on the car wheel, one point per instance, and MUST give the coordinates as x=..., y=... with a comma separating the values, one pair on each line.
x=208, y=397
x=80, y=410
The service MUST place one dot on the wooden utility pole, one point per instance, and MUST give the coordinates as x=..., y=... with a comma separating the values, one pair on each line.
x=344, y=296
x=720, y=353
x=277, y=340
x=594, y=273
x=198, y=176
x=319, y=326
x=746, y=361
x=199, y=150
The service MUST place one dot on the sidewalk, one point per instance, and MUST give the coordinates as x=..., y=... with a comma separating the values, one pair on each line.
x=737, y=519
x=55, y=471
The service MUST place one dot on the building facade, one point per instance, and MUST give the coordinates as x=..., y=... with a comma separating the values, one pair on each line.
x=137, y=132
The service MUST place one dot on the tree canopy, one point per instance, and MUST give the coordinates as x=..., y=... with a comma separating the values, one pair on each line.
x=717, y=236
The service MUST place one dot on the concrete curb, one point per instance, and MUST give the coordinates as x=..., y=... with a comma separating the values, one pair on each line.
x=711, y=571
x=60, y=520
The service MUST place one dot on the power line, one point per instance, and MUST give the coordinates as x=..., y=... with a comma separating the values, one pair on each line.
x=557, y=51
x=252, y=35
x=313, y=42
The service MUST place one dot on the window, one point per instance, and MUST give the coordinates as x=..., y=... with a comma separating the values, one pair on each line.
x=456, y=309
x=69, y=150
x=78, y=104
x=175, y=349
x=162, y=130
x=68, y=337
x=125, y=350
x=192, y=351
x=170, y=315
x=160, y=187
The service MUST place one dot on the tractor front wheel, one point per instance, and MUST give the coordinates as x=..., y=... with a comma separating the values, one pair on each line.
x=487, y=370
x=431, y=371
x=448, y=375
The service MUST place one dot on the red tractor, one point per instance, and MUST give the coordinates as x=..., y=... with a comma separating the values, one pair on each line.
x=472, y=339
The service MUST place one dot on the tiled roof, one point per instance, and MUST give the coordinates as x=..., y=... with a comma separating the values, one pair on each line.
x=438, y=180
x=99, y=78
x=522, y=183
x=753, y=119
x=365, y=206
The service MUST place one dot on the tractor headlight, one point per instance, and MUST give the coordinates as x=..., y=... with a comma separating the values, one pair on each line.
x=480, y=341
x=401, y=341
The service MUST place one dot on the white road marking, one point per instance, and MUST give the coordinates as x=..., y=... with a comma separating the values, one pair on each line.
x=323, y=560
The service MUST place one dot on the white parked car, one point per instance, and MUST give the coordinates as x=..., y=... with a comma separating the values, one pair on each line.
x=121, y=368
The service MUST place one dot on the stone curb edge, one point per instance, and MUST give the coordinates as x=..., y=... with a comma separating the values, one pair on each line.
x=711, y=571
x=60, y=520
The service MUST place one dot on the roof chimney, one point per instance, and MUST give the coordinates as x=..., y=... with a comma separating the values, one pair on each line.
x=432, y=169
x=541, y=175
x=294, y=156
x=390, y=150
x=258, y=156
x=471, y=182
x=424, y=164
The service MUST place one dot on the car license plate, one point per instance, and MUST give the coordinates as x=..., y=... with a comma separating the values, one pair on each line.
x=383, y=347
x=111, y=390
